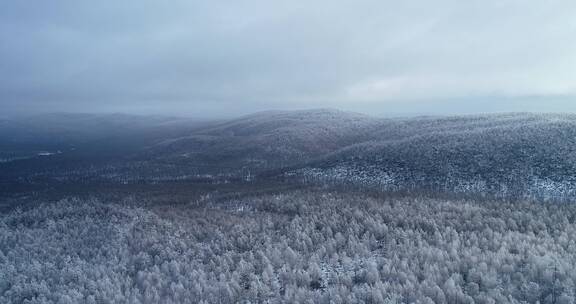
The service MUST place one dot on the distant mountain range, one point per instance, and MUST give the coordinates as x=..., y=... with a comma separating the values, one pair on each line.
x=510, y=154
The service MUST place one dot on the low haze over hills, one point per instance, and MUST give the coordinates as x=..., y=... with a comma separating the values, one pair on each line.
x=505, y=154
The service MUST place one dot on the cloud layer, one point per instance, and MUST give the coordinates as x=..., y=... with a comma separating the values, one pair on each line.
x=227, y=57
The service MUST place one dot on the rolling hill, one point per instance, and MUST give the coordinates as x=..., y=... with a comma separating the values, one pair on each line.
x=512, y=154
x=268, y=140
x=505, y=154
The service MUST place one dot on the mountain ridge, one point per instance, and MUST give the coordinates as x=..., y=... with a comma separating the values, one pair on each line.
x=505, y=152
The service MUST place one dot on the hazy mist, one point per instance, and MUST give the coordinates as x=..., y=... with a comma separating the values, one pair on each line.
x=224, y=58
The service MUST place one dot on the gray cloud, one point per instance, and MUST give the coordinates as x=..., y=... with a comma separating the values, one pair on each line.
x=229, y=57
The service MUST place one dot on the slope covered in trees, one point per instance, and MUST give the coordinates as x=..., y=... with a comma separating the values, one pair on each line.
x=268, y=139
x=505, y=155
x=510, y=155
x=190, y=236
x=291, y=247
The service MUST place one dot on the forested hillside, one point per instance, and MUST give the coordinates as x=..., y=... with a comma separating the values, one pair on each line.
x=504, y=155
x=508, y=155
x=269, y=139
x=273, y=208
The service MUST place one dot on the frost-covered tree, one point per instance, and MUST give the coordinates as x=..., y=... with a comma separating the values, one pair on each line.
x=311, y=246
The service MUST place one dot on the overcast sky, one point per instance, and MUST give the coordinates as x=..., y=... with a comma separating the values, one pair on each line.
x=224, y=58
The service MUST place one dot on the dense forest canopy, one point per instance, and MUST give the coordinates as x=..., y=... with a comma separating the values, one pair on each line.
x=313, y=246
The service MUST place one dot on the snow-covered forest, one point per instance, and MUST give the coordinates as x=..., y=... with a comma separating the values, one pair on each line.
x=313, y=246
x=317, y=206
x=509, y=155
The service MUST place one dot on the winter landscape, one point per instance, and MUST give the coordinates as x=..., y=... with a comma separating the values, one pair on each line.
x=317, y=206
x=252, y=151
